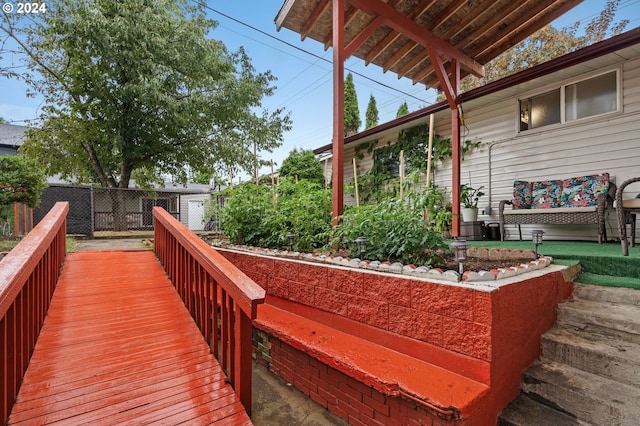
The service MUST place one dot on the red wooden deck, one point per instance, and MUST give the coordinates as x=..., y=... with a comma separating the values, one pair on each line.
x=119, y=347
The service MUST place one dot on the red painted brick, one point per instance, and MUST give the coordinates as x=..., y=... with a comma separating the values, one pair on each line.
x=370, y=312
x=380, y=408
x=483, y=307
x=467, y=338
x=317, y=365
x=331, y=301
x=346, y=281
x=319, y=399
x=355, y=421
x=360, y=387
x=339, y=411
x=443, y=300
x=314, y=275
x=416, y=324
x=286, y=269
x=301, y=293
x=370, y=421
x=361, y=407
x=327, y=396
x=351, y=393
x=385, y=288
x=278, y=287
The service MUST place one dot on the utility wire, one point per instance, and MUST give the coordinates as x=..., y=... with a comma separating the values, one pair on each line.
x=206, y=6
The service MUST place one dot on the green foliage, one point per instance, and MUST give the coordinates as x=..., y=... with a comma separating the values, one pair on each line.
x=352, y=120
x=260, y=216
x=470, y=196
x=139, y=89
x=381, y=179
x=402, y=110
x=372, y=113
x=546, y=44
x=304, y=165
x=395, y=229
x=20, y=181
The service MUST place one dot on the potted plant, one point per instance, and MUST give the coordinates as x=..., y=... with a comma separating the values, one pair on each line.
x=469, y=198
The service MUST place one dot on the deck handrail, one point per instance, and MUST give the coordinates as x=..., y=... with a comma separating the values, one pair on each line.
x=204, y=278
x=28, y=276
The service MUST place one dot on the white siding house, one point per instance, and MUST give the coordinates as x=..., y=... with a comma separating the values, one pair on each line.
x=602, y=142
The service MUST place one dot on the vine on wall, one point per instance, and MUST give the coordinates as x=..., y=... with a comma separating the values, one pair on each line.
x=382, y=180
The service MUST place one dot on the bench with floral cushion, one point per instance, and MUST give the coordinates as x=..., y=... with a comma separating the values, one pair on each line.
x=577, y=200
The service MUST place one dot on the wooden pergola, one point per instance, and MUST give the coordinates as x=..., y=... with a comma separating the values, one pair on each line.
x=432, y=42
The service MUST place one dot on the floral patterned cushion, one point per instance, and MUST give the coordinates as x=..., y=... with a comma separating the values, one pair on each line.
x=546, y=194
x=521, y=194
x=583, y=191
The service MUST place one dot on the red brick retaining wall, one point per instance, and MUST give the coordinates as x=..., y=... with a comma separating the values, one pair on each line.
x=490, y=335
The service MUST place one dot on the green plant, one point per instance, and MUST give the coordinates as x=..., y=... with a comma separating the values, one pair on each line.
x=470, y=196
x=262, y=216
x=438, y=211
x=395, y=229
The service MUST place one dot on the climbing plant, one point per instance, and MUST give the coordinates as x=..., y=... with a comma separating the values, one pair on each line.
x=376, y=183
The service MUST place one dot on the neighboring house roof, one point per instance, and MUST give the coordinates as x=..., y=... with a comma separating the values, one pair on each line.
x=617, y=48
x=12, y=135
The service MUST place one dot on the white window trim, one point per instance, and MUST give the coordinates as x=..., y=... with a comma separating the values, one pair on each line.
x=562, y=86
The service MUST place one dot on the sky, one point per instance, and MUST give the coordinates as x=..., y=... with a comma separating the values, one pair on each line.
x=303, y=71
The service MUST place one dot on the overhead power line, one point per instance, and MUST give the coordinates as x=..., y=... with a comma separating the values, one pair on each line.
x=206, y=6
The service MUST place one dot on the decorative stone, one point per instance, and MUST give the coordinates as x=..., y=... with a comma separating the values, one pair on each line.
x=478, y=276
x=451, y=276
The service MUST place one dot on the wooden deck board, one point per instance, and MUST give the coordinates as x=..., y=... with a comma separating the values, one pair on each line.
x=119, y=347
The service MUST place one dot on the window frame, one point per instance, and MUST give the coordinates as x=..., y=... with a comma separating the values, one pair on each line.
x=562, y=87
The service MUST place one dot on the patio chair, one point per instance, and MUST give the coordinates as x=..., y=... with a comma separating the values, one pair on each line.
x=626, y=210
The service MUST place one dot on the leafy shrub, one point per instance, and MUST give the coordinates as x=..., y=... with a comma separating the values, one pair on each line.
x=395, y=229
x=261, y=216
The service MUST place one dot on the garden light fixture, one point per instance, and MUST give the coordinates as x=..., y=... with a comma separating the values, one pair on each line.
x=362, y=245
x=536, y=236
x=460, y=253
x=291, y=237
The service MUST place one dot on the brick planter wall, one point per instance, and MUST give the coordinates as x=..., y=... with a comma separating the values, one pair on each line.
x=490, y=334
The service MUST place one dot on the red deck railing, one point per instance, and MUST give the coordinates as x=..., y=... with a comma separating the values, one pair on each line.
x=28, y=277
x=204, y=279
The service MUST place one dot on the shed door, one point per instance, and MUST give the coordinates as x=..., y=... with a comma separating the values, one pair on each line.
x=196, y=215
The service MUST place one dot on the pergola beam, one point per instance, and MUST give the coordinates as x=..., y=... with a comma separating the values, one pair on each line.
x=414, y=31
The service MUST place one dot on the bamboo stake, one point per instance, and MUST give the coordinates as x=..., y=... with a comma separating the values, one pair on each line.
x=429, y=155
x=355, y=179
x=326, y=171
x=430, y=150
x=401, y=173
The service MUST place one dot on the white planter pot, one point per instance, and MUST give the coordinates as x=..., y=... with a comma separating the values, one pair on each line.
x=469, y=214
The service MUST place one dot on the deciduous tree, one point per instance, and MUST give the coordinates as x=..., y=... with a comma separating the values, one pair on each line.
x=138, y=89
x=546, y=44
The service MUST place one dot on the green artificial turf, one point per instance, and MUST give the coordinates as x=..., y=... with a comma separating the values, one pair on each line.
x=602, y=264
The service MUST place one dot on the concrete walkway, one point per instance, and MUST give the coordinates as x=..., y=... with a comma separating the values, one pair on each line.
x=275, y=403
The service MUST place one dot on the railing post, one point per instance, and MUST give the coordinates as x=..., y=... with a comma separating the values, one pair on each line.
x=244, y=342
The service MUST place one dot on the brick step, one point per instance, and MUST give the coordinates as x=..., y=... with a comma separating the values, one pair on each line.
x=601, y=317
x=588, y=397
x=601, y=354
x=622, y=296
x=525, y=411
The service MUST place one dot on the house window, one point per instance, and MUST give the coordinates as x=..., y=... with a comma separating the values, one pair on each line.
x=586, y=98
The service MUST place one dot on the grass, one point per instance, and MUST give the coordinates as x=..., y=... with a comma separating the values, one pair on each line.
x=8, y=245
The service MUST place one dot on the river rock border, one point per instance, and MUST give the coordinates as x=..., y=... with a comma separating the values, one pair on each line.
x=484, y=253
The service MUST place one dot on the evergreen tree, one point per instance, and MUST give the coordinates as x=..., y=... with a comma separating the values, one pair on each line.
x=402, y=110
x=372, y=113
x=352, y=120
